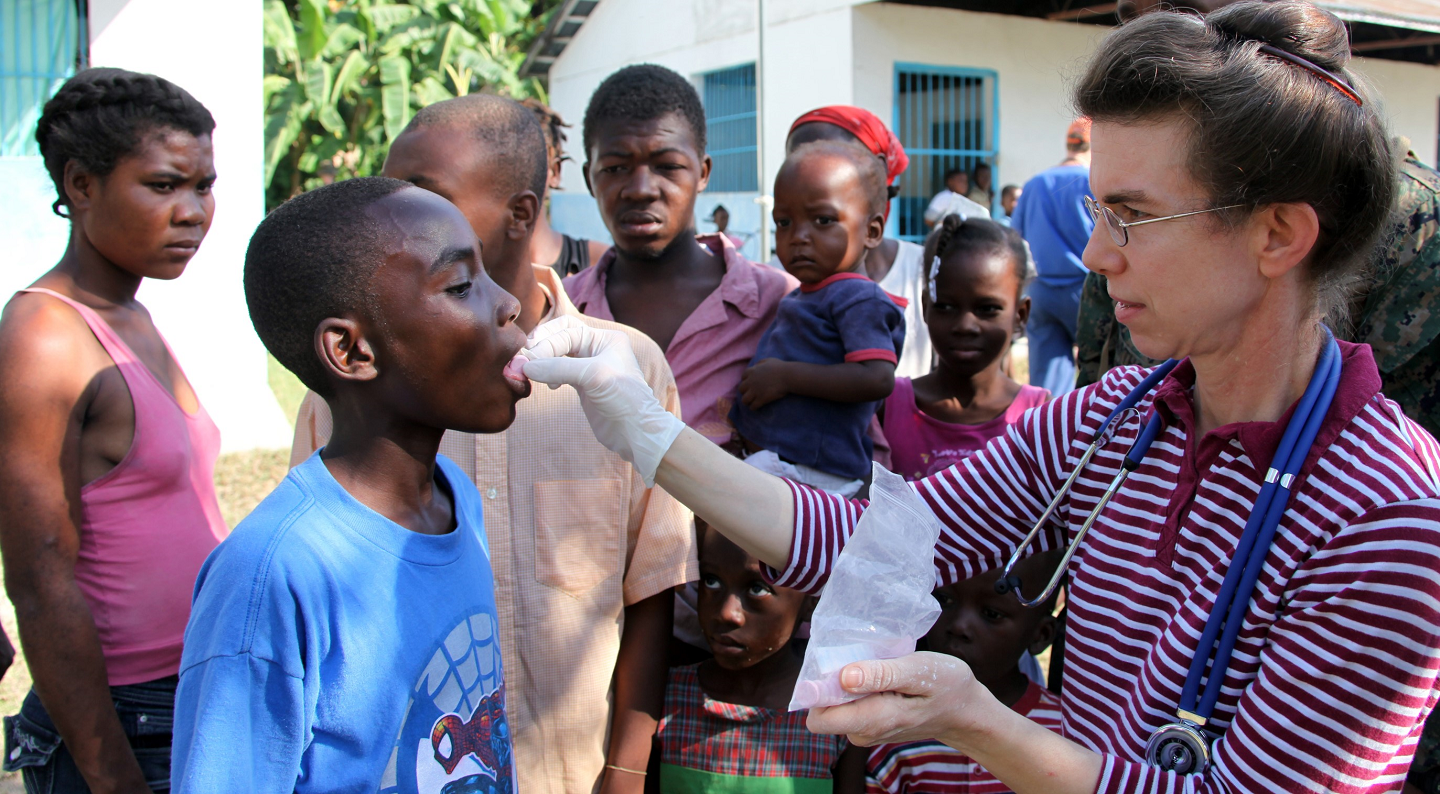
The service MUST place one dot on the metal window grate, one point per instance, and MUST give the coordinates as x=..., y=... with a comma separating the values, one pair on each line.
x=40, y=46
x=729, y=97
x=946, y=117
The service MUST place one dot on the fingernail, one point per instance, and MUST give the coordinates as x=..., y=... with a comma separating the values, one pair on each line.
x=851, y=678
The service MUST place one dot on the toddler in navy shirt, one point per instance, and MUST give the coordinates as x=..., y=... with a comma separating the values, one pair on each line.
x=827, y=362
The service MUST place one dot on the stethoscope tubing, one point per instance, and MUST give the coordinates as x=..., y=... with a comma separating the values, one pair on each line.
x=1101, y=436
x=1239, y=585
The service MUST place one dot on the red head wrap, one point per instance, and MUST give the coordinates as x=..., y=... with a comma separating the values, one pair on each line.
x=871, y=131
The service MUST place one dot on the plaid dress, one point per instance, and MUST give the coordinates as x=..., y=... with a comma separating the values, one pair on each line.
x=713, y=747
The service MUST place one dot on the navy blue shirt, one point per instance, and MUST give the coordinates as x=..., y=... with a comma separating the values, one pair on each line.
x=1052, y=218
x=845, y=318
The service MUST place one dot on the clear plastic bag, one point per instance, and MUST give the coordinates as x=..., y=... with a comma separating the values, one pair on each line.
x=878, y=600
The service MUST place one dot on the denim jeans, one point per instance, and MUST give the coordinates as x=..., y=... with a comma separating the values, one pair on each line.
x=147, y=715
x=1054, y=311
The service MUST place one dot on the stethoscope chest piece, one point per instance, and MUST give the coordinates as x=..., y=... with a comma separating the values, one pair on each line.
x=1179, y=747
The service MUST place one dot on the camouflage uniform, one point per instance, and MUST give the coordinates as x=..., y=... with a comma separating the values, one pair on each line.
x=1399, y=317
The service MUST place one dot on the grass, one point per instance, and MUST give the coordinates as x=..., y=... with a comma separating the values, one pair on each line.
x=242, y=479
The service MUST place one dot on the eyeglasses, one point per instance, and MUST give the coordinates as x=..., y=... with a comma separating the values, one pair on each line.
x=1120, y=230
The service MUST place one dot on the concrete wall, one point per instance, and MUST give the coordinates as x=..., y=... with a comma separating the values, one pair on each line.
x=1035, y=61
x=214, y=50
x=808, y=64
x=1411, y=96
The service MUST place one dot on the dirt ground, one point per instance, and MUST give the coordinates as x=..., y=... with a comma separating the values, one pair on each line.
x=242, y=479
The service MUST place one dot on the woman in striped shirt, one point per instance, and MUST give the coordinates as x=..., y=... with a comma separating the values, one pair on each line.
x=1248, y=126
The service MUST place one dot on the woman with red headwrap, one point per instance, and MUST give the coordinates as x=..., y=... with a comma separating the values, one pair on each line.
x=895, y=265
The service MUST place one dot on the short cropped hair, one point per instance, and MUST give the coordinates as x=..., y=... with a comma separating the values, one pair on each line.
x=513, y=139
x=642, y=93
x=870, y=168
x=310, y=259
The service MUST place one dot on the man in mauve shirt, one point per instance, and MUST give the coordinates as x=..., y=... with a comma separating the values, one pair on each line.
x=697, y=297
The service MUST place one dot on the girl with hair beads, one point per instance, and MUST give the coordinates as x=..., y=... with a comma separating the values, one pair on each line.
x=974, y=308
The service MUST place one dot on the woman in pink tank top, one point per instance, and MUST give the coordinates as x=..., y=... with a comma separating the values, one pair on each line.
x=974, y=307
x=107, y=503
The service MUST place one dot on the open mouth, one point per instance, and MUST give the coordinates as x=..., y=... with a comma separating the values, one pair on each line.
x=514, y=373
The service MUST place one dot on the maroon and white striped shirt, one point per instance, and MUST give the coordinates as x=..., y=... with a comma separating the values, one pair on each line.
x=1335, y=667
x=934, y=768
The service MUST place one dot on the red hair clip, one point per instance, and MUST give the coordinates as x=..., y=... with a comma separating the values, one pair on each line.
x=1329, y=77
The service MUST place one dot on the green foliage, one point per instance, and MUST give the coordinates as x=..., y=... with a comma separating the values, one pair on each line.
x=344, y=77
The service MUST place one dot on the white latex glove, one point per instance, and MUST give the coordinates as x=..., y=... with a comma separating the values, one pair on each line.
x=622, y=409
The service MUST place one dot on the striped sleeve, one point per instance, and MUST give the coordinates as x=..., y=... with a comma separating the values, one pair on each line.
x=987, y=502
x=1347, y=673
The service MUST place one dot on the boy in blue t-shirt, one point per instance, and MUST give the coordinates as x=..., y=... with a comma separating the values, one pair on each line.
x=828, y=360
x=344, y=637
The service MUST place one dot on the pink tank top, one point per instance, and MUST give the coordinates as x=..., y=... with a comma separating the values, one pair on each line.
x=921, y=445
x=147, y=525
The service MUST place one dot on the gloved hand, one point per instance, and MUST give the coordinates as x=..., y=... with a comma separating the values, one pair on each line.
x=622, y=409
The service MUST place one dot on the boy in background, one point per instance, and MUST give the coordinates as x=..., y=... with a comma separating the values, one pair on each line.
x=726, y=726
x=585, y=556
x=989, y=631
x=343, y=638
x=702, y=302
x=823, y=367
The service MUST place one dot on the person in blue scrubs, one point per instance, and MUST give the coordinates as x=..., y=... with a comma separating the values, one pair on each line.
x=1052, y=218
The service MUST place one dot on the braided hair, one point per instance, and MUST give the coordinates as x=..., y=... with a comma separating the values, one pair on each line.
x=99, y=116
x=955, y=235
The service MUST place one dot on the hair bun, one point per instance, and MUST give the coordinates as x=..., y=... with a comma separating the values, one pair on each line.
x=1294, y=26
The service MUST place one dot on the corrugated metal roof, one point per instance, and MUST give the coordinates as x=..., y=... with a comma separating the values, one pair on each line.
x=1420, y=15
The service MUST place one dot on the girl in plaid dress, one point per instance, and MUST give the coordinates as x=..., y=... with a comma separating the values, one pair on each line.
x=725, y=726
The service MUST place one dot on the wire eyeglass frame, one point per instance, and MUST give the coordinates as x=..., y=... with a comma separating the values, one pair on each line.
x=1120, y=230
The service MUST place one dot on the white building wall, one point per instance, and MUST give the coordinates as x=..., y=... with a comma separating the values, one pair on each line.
x=1411, y=96
x=214, y=50
x=1035, y=60
x=808, y=64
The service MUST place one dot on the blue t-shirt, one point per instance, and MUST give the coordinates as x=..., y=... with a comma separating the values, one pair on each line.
x=844, y=318
x=1052, y=218
x=330, y=649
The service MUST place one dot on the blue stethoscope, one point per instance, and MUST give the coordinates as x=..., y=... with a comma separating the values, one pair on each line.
x=1183, y=746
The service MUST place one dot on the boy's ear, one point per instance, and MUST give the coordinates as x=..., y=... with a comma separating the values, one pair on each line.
x=589, y=188
x=344, y=351
x=1044, y=634
x=524, y=212
x=875, y=230
x=705, y=165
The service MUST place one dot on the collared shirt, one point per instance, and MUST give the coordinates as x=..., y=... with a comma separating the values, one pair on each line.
x=1397, y=316
x=714, y=345
x=575, y=537
x=1334, y=668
